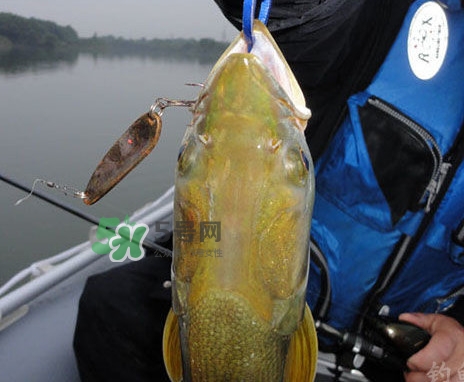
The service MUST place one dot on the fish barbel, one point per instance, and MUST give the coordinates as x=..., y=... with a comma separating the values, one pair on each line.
x=244, y=193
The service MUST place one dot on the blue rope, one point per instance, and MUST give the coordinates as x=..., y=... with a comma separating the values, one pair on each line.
x=264, y=11
x=249, y=7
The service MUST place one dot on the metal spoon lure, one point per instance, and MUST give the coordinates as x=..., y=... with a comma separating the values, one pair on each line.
x=129, y=150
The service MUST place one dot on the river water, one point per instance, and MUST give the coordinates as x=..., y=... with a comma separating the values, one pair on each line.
x=56, y=122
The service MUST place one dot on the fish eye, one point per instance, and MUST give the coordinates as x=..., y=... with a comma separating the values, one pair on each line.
x=181, y=151
x=185, y=158
x=297, y=166
x=305, y=159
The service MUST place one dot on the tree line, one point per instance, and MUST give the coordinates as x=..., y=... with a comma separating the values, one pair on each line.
x=17, y=31
x=205, y=49
x=21, y=33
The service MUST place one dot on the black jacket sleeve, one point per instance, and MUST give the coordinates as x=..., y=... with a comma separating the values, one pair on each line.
x=457, y=310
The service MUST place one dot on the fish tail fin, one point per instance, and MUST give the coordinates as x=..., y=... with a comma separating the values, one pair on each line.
x=171, y=348
x=302, y=353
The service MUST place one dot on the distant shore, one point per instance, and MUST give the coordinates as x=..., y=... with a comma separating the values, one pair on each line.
x=20, y=34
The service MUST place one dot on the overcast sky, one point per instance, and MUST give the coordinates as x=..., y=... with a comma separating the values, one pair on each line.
x=130, y=18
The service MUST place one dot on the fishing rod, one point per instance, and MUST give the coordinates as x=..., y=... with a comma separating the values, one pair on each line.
x=147, y=244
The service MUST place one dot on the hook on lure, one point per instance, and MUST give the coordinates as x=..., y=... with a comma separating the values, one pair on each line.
x=126, y=153
x=248, y=16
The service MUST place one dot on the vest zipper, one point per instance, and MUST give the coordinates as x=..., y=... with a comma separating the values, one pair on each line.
x=440, y=168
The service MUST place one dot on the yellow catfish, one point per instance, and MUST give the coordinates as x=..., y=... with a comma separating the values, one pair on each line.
x=242, y=209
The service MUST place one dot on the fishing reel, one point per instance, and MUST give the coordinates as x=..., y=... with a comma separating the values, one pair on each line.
x=385, y=341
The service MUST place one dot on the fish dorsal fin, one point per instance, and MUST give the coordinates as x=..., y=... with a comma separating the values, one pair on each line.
x=302, y=353
x=171, y=348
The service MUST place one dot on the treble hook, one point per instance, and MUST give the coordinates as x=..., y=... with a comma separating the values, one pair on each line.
x=162, y=103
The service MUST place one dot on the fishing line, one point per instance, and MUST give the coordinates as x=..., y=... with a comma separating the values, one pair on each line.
x=249, y=11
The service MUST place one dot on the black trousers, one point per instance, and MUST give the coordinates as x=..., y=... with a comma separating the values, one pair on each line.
x=120, y=323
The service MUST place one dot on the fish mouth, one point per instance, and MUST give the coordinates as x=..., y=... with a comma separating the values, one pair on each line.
x=228, y=340
x=270, y=55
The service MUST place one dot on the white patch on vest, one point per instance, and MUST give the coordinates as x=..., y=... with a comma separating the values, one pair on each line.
x=427, y=40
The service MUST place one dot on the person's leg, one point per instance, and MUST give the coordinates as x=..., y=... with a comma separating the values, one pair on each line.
x=120, y=323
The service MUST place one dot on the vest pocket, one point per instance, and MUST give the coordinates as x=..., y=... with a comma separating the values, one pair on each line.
x=405, y=158
x=379, y=165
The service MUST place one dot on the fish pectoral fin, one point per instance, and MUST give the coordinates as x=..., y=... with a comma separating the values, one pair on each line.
x=302, y=353
x=171, y=348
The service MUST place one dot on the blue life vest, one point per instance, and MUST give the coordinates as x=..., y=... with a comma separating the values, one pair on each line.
x=390, y=186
